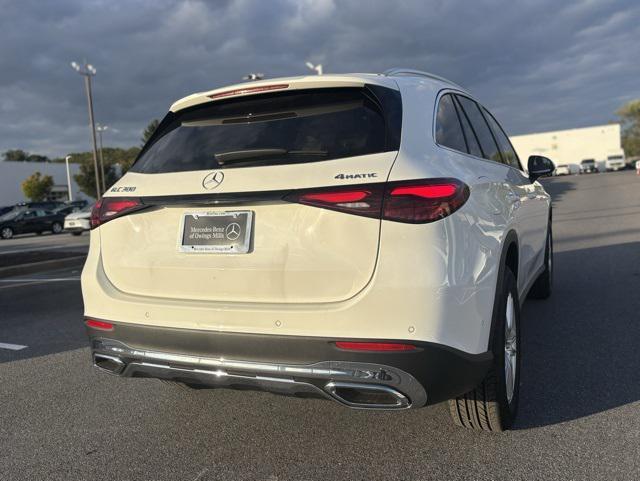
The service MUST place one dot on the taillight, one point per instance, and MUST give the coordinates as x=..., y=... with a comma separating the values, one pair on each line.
x=109, y=208
x=414, y=202
x=419, y=202
x=374, y=346
x=365, y=200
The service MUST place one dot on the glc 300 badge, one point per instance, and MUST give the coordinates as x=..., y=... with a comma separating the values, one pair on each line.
x=213, y=180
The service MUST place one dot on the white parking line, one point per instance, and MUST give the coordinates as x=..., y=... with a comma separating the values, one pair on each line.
x=31, y=282
x=46, y=248
x=12, y=347
x=53, y=279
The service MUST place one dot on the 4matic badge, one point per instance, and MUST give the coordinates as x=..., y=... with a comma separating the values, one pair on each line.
x=369, y=175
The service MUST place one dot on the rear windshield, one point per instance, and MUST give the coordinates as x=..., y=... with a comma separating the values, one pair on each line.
x=273, y=129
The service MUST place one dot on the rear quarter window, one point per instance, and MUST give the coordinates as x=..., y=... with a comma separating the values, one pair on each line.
x=448, y=128
x=274, y=129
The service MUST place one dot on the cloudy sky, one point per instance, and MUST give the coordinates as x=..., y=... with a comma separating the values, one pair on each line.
x=538, y=64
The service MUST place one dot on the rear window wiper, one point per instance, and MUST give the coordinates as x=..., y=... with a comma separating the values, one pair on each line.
x=250, y=155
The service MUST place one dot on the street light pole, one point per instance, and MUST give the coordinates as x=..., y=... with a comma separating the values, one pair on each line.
x=88, y=71
x=100, y=129
x=69, y=192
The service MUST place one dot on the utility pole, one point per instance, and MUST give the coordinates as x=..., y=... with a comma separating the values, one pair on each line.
x=100, y=129
x=69, y=191
x=88, y=71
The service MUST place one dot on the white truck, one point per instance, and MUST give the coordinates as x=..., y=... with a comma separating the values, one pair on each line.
x=615, y=162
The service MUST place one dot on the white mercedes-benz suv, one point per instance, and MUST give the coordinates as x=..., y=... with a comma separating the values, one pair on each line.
x=367, y=238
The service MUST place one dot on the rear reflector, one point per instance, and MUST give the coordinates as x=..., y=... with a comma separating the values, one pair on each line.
x=249, y=90
x=101, y=325
x=374, y=346
x=109, y=208
x=413, y=202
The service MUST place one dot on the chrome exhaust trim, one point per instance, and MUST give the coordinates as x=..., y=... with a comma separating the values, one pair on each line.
x=106, y=363
x=367, y=396
x=354, y=384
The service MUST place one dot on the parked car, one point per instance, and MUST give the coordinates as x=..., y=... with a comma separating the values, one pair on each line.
x=6, y=209
x=329, y=236
x=24, y=221
x=46, y=205
x=615, y=163
x=67, y=209
x=588, y=166
x=81, y=204
x=562, y=169
x=79, y=221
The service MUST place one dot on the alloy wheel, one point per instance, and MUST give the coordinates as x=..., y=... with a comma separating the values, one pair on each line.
x=510, y=348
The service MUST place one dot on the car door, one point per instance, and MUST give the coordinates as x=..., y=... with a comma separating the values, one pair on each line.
x=44, y=219
x=509, y=191
x=28, y=222
x=534, y=212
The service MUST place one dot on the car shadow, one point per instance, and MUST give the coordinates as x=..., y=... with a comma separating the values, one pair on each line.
x=581, y=346
x=557, y=187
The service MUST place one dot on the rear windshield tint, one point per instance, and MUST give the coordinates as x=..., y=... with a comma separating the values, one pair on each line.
x=274, y=129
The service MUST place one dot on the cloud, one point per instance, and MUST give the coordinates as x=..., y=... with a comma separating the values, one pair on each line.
x=538, y=65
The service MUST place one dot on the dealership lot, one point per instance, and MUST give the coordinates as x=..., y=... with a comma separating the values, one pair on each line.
x=579, y=414
x=30, y=248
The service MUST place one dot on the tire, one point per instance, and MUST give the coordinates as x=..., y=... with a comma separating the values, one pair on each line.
x=76, y=233
x=6, y=233
x=492, y=406
x=542, y=288
x=56, y=227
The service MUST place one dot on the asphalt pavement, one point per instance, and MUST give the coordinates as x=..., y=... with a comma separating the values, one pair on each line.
x=579, y=413
x=29, y=248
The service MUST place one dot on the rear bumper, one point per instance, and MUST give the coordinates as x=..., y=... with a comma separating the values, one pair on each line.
x=296, y=365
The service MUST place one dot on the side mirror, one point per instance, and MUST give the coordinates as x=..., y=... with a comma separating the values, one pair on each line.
x=539, y=166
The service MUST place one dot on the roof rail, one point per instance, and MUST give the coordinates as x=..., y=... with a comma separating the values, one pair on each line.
x=394, y=72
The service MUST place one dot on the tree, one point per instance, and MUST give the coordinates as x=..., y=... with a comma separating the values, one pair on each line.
x=15, y=155
x=18, y=155
x=37, y=186
x=37, y=158
x=86, y=178
x=116, y=162
x=149, y=130
x=630, y=117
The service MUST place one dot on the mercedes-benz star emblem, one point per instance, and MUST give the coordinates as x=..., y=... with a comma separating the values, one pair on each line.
x=213, y=180
x=232, y=231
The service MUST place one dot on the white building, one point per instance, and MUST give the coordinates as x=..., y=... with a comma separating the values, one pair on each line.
x=12, y=174
x=571, y=146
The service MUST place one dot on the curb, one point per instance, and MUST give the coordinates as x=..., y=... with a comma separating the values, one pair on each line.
x=34, y=267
